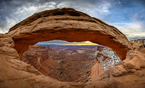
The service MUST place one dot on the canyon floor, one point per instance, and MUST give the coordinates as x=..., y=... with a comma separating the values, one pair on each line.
x=69, y=63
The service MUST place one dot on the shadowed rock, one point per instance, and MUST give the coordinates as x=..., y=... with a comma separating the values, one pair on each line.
x=70, y=25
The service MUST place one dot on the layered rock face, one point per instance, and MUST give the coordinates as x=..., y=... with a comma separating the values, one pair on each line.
x=71, y=63
x=67, y=63
x=105, y=59
x=17, y=74
x=75, y=63
x=70, y=25
x=38, y=57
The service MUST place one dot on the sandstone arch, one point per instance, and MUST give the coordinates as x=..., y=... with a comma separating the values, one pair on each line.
x=70, y=25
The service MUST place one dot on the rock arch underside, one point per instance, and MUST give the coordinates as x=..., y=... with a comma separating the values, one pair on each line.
x=73, y=26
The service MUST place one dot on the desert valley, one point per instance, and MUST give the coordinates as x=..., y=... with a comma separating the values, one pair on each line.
x=71, y=63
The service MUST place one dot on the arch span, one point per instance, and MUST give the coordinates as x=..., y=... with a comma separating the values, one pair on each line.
x=70, y=25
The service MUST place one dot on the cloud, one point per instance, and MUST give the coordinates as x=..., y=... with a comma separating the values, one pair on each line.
x=22, y=13
x=127, y=16
x=104, y=8
x=6, y=25
x=20, y=10
x=61, y=42
x=26, y=11
x=91, y=7
x=83, y=43
x=1, y=30
x=132, y=30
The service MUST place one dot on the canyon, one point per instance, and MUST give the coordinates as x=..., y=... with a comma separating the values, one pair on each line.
x=72, y=26
x=71, y=63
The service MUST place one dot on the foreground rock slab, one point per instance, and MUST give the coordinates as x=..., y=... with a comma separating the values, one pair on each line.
x=17, y=74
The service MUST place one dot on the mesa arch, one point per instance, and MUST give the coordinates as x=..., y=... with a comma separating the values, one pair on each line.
x=70, y=25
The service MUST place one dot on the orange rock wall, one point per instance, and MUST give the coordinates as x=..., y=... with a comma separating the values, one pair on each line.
x=70, y=25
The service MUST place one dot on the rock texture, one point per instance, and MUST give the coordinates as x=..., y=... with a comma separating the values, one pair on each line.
x=129, y=73
x=17, y=74
x=70, y=25
x=67, y=63
x=139, y=40
x=38, y=57
x=105, y=59
x=71, y=63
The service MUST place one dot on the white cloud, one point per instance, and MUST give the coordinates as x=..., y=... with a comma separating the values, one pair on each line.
x=89, y=8
x=26, y=11
x=84, y=7
x=104, y=8
x=23, y=9
x=9, y=23
x=131, y=30
x=62, y=42
x=23, y=12
x=65, y=4
x=1, y=30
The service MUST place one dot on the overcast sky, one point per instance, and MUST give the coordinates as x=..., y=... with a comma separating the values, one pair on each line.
x=127, y=15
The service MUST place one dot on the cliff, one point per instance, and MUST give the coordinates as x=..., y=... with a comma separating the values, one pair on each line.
x=66, y=64
x=71, y=63
x=38, y=57
x=105, y=59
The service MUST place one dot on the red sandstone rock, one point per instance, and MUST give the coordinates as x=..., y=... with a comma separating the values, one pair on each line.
x=38, y=57
x=70, y=25
x=71, y=64
x=17, y=74
x=64, y=65
x=105, y=59
x=96, y=70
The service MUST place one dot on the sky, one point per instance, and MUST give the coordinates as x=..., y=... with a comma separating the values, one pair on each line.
x=127, y=15
x=61, y=42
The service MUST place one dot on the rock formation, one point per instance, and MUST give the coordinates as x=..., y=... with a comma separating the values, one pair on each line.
x=139, y=40
x=138, y=43
x=67, y=63
x=38, y=57
x=71, y=63
x=70, y=25
x=105, y=59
